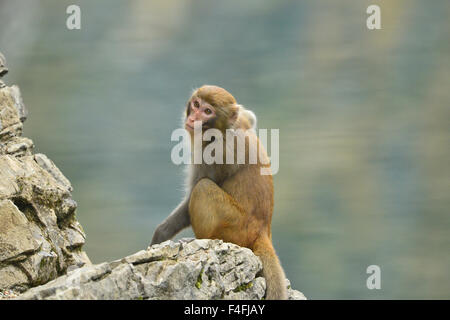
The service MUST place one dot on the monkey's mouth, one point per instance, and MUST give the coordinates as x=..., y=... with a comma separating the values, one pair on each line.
x=188, y=127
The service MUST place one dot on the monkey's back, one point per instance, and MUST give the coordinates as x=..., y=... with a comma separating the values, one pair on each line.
x=254, y=193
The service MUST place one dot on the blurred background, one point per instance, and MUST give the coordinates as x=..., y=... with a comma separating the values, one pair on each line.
x=364, y=119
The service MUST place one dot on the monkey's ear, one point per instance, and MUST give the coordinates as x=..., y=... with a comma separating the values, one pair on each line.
x=234, y=115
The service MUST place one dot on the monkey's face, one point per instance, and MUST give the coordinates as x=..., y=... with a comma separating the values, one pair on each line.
x=199, y=110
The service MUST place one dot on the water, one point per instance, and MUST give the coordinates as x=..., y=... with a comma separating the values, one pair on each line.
x=363, y=118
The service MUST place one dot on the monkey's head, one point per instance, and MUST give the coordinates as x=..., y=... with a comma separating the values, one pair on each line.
x=215, y=107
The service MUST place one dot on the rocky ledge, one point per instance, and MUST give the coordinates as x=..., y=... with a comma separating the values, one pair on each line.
x=40, y=237
x=187, y=269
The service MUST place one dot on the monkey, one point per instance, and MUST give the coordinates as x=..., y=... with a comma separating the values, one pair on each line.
x=232, y=202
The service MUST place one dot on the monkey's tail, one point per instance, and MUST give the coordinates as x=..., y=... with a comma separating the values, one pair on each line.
x=276, y=288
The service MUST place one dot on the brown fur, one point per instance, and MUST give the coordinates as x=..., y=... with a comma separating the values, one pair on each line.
x=234, y=202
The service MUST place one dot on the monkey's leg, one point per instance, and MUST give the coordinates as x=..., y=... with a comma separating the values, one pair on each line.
x=215, y=214
x=174, y=223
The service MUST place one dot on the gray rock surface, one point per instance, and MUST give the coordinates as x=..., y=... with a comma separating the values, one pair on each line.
x=40, y=237
x=187, y=269
x=3, y=69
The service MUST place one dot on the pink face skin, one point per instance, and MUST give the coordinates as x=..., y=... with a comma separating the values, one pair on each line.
x=199, y=111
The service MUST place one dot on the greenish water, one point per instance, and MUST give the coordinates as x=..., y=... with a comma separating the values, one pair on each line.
x=363, y=116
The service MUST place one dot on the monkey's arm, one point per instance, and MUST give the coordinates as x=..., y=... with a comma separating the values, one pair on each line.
x=174, y=223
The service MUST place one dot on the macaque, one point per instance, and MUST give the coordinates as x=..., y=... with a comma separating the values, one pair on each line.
x=232, y=202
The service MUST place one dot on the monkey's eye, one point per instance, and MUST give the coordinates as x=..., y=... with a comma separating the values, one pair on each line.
x=208, y=111
x=196, y=104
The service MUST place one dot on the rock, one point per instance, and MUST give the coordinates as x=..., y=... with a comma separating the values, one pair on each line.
x=10, y=124
x=18, y=103
x=187, y=269
x=16, y=237
x=3, y=69
x=50, y=167
x=17, y=146
x=40, y=237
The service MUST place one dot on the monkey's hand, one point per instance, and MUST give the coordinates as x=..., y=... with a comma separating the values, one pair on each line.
x=174, y=223
x=160, y=235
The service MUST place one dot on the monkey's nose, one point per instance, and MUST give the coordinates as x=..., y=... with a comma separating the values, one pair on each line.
x=192, y=119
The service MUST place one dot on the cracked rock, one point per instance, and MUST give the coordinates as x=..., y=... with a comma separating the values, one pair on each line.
x=40, y=237
x=187, y=269
x=3, y=69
